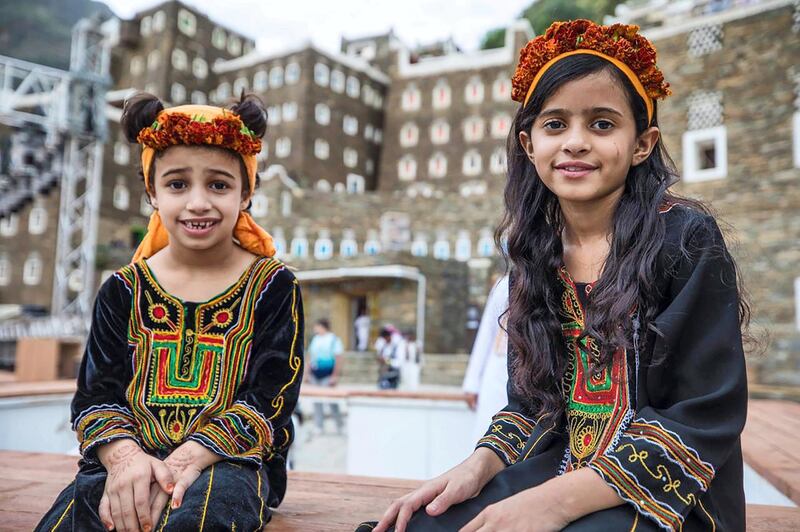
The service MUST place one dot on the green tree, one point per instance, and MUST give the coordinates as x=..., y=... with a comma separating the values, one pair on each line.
x=542, y=13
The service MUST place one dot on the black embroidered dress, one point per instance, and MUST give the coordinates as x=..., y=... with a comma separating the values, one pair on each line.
x=225, y=373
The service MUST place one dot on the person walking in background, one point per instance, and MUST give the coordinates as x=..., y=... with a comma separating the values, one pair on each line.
x=389, y=349
x=487, y=376
x=324, y=362
x=411, y=366
x=361, y=325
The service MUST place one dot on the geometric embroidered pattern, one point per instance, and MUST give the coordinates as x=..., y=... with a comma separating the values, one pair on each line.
x=188, y=361
x=507, y=435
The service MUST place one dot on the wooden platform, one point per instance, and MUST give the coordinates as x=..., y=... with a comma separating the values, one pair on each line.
x=29, y=482
x=770, y=444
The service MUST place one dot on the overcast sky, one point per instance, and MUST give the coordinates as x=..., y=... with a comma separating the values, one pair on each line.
x=279, y=24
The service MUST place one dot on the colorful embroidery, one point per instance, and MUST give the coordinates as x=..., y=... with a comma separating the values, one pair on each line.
x=188, y=364
x=102, y=424
x=597, y=403
x=507, y=435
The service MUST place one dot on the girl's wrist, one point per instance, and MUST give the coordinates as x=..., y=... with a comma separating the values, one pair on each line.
x=486, y=464
x=117, y=451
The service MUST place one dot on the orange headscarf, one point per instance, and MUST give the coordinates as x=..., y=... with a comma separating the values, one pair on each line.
x=202, y=125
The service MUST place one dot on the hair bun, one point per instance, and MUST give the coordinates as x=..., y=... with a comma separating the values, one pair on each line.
x=251, y=110
x=140, y=110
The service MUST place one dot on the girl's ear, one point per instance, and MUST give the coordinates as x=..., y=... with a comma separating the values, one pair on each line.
x=527, y=144
x=645, y=143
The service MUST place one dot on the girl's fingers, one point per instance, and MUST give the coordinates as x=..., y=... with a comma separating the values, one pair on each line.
x=443, y=501
x=141, y=501
x=474, y=525
x=178, y=492
x=157, y=506
x=163, y=476
x=403, y=517
x=388, y=517
x=104, y=511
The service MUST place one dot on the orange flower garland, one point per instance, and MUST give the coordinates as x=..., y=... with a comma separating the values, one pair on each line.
x=619, y=41
x=174, y=128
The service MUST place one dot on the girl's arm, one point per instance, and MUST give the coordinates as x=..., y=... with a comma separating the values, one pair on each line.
x=258, y=422
x=100, y=412
x=668, y=455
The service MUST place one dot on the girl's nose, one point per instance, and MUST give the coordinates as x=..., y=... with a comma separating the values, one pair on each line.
x=198, y=201
x=575, y=142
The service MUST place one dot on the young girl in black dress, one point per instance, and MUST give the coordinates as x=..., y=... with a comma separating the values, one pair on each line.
x=627, y=389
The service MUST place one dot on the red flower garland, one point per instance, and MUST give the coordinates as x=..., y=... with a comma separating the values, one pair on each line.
x=228, y=131
x=620, y=41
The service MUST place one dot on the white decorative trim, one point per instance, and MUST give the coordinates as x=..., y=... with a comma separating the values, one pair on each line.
x=692, y=172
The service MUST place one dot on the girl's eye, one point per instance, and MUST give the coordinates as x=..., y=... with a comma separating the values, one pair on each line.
x=603, y=124
x=219, y=185
x=176, y=185
x=553, y=124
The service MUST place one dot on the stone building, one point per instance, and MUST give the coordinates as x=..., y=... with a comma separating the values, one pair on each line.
x=379, y=157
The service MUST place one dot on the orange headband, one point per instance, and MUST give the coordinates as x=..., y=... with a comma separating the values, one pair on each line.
x=619, y=44
x=210, y=126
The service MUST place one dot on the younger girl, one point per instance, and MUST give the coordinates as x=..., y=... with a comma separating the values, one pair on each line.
x=627, y=389
x=194, y=359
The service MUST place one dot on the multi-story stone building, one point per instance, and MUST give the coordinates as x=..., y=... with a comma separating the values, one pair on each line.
x=383, y=166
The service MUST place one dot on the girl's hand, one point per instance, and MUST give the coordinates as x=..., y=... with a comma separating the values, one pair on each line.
x=457, y=485
x=472, y=401
x=125, y=501
x=186, y=463
x=533, y=510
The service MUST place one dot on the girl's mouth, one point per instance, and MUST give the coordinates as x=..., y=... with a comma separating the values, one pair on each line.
x=198, y=228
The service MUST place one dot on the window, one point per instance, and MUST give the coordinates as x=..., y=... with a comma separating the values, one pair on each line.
x=419, y=247
x=323, y=185
x=321, y=74
x=200, y=68
x=274, y=115
x=153, y=60
x=377, y=137
x=9, y=225
x=323, y=247
x=289, y=111
x=355, y=184
x=501, y=125
x=705, y=154
x=437, y=165
x=378, y=102
x=299, y=247
x=410, y=99
x=486, y=244
x=372, y=246
x=146, y=26
x=501, y=89
x=260, y=204
x=472, y=163
x=440, y=132
x=321, y=149
x=322, y=114
x=260, y=80
x=353, y=87
x=441, y=96
x=368, y=131
x=137, y=65
x=187, y=23
x=497, y=162
x=292, y=73
x=350, y=157
x=239, y=85
x=37, y=220
x=279, y=241
x=409, y=135
x=368, y=94
x=283, y=147
x=32, y=270
x=441, y=249
x=337, y=81
x=350, y=125
x=177, y=93
x=179, y=59
x=286, y=203
x=5, y=269
x=223, y=91
x=199, y=98
x=463, y=246
x=369, y=166
x=473, y=92
x=348, y=247
x=234, y=45
x=276, y=77
x=122, y=152
x=473, y=129
x=159, y=21
x=121, y=196
x=407, y=168
x=219, y=38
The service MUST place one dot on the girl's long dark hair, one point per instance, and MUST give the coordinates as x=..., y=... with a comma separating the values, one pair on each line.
x=529, y=236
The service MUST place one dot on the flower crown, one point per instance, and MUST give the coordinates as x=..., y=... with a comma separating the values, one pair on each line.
x=227, y=131
x=620, y=43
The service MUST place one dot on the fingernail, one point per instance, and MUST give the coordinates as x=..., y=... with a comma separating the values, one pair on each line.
x=170, y=487
x=147, y=528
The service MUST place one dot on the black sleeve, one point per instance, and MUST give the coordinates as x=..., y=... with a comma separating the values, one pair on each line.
x=100, y=411
x=668, y=455
x=258, y=423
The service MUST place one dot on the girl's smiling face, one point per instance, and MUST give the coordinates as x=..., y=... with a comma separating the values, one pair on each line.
x=584, y=140
x=198, y=192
